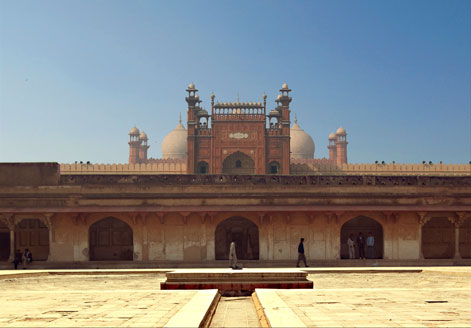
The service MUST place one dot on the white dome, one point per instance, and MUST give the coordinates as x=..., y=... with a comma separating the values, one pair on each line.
x=174, y=143
x=134, y=131
x=341, y=131
x=143, y=136
x=301, y=143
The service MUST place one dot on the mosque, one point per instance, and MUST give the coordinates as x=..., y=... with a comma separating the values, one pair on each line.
x=239, y=172
x=238, y=138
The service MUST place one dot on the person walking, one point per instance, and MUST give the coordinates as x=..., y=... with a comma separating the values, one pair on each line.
x=232, y=256
x=301, y=255
x=370, y=243
x=361, y=245
x=351, y=247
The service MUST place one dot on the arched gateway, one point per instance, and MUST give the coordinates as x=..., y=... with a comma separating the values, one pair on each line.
x=34, y=235
x=4, y=242
x=365, y=225
x=111, y=239
x=238, y=163
x=438, y=239
x=245, y=235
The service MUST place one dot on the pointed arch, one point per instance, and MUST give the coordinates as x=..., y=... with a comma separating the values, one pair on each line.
x=245, y=235
x=238, y=163
x=111, y=239
x=365, y=225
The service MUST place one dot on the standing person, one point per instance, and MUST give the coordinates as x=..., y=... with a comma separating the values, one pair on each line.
x=301, y=255
x=232, y=256
x=351, y=247
x=370, y=243
x=28, y=256
x=18, y=258
x=361, y=245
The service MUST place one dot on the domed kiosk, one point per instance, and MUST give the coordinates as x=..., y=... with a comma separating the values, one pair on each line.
x=301, y=143
x=174, y=143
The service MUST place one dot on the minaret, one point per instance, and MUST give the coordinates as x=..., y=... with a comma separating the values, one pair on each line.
x=341, y=145
x=192, y=100
x=332, y=148
x=134, y=145
x=285, y=100
x=143, y=148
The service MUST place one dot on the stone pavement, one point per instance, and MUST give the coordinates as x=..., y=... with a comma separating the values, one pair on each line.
x=426, y=297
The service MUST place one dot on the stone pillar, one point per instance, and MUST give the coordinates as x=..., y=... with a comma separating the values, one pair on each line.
x=48, y=221
x=8, y=220
x=422, y=220
x=457, y=222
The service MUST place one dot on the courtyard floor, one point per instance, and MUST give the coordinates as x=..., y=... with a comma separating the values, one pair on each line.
x=435, y=297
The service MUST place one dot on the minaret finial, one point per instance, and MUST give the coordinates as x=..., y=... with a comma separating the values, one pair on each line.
x=295, y=119
x=237, y=97
x=180, y=120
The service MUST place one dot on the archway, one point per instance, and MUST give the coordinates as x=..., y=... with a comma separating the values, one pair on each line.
x=365, y=225
x=438, y=239
x=274, y=167
x=33, y=234
x=238, y=163
x=245, y=235
x=111, y=240
x=465, y=239
x=4, y=242
x=202, y=168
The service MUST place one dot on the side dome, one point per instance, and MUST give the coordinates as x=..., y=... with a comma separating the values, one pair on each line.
x=341, y=131
x=332, y=136
x=174, y=143
x=301, y=143
x=134, y=131
x=143, y=136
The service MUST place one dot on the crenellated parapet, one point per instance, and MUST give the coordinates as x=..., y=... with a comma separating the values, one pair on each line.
x=327, y=167
x=154, y=166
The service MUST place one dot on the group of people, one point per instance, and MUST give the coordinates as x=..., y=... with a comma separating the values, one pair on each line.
x=23, y=258
x=361, y=242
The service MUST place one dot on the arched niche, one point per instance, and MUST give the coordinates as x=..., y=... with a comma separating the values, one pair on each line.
x=202, y=168
x=245, y=235
x=111, y=239
x=4, y=242
x=465, y=239
x=274, y=168
x=438, y=238
x=34, y=235
x=365, y=225
x=238, y=163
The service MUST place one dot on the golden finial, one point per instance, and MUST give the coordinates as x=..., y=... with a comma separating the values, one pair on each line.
x=295, y=119
x=180, y=120
x=237, y=97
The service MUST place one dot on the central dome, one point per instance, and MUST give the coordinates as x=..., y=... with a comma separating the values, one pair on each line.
x=174, y=143
x=301, y=143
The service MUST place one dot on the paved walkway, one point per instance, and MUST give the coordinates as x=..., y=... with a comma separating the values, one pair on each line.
x=432, y=297
x=235, y=312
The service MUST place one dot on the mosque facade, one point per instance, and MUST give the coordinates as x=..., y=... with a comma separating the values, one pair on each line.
x=238, y=138
x=241, y=173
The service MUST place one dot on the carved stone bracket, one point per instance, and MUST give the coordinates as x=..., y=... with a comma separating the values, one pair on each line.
x=261, y=215
x=390, y=217
x=287, y=219
x=333, y=217
x=161, y=216
x=311, y=217
x=8, y=220
x=460, y=218
x=422, y=218
x=185, y=216
x=48, y=219
x=202, y=216
x=80, y=218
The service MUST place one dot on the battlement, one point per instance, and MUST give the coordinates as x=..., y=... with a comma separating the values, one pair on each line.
x=155, y=166
x=325, y=167
x=243, y=111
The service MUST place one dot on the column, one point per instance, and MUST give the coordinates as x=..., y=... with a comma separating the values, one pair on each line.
x=422, y=220
x=49, y=223
x=8, y=220
x=458, y=221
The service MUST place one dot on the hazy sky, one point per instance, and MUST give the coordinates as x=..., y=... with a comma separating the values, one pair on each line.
x=75, y=76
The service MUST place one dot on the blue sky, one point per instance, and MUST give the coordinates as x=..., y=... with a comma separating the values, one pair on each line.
x=75, y=76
